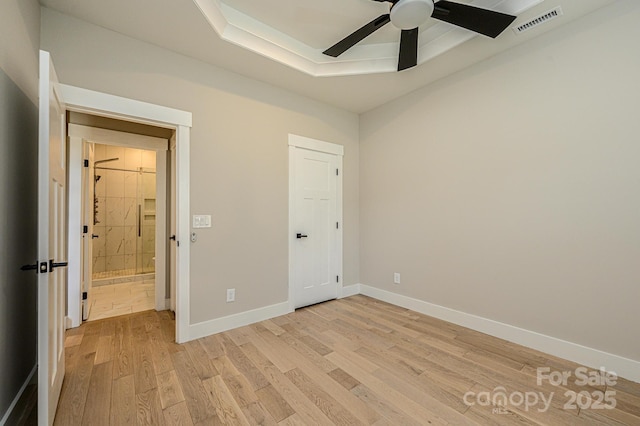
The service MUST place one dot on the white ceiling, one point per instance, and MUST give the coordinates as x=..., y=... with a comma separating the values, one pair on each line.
x=312, y=24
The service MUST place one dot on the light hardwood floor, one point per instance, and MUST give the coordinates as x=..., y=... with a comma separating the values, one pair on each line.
x=349, y=362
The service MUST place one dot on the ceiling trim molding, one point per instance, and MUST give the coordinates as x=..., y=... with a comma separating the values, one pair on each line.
x=245, y=31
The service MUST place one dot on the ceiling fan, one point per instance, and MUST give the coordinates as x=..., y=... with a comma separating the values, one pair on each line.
x=408, y=15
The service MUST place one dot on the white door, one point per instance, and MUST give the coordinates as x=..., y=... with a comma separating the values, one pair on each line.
x=315, y=228
x=52, y=239
x=88, y=208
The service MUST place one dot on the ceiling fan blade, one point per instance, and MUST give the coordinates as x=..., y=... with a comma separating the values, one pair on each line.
x=357, y=36
x=408, y=57
x=483, y=21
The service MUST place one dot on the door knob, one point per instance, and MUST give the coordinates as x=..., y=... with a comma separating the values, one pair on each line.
x=94, y=236
x=301, y=236
x=30, y=267
x=53, y=265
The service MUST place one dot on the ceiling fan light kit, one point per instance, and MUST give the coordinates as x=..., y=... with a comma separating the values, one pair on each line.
x=408, y=15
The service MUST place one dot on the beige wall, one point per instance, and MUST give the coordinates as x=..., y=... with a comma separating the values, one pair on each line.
x=511, y=190
x=239, y=156
x=20, y=35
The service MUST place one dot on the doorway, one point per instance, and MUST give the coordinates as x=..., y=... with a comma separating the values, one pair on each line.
x=133, y=112
x=315, y=221
x=123, y=239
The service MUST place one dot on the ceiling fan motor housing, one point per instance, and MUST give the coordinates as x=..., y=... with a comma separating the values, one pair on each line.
x=409, y=14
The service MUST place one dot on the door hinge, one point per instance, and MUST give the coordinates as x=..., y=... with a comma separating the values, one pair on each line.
x=85, y=229
x=86, y=163
x=337, y=225
x=337, y=278
x=337, y=172
x=84, y=295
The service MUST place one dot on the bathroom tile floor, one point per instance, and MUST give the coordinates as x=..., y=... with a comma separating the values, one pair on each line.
x=121, y=299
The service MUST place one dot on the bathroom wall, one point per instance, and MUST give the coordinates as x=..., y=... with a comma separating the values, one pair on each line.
x=118, y=250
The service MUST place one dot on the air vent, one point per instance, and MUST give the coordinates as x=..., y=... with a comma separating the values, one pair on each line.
x=545, y=17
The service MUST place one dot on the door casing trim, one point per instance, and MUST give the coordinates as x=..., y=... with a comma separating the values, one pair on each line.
x=102, y=104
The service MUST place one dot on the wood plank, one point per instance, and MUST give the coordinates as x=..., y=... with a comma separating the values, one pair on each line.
x=274, y=403
x=177, y=415
x=227, y=409
x=74, y=390
x=169, y=389
x=195, y=394
x=325, y=402
x=123, y=401
x=149, y=409
x=98, y=403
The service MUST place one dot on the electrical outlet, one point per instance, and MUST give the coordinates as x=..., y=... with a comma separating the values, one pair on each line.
x=231, y=295
x=396, y=277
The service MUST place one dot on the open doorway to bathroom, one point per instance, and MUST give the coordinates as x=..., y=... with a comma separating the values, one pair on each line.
x=127, y=211
x=124, y=225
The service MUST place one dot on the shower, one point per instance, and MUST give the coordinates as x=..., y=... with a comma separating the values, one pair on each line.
x=124, y=213
x=95, y=180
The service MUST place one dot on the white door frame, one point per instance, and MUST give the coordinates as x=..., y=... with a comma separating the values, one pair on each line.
x=300, y=142
x=78, y=136
x=96, y=103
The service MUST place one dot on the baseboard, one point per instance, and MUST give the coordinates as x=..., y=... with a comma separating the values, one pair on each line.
x=17, y=398
x=623, y=367
x=349, y=290
x=218, y=325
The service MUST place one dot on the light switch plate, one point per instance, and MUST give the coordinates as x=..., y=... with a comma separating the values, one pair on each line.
x=201, y=221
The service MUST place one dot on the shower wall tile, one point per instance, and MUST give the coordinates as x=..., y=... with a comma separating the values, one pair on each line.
x=148, y=262
x=114, y=182
x=149, y=239
x=149, y=185
x=130, y=184
x=99, y=244
x=99, y=264
x=132, y=158
x=113, y=152
x=130, y=239
x=115, y=211
x=149, y=159
x=99, y=151
x=130, y=209
x=115, y=240
x=130, y=261
x=114, y=263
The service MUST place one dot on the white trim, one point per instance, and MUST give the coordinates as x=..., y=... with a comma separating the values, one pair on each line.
x=218, y=325
x=162, y=248
x=183, y=265
x=103, y=104
x=624, y=367
x=9, y=411
x=349, y=290
x=315, y=145
x=88, y=101
x=74, y=233
x=243, y=30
